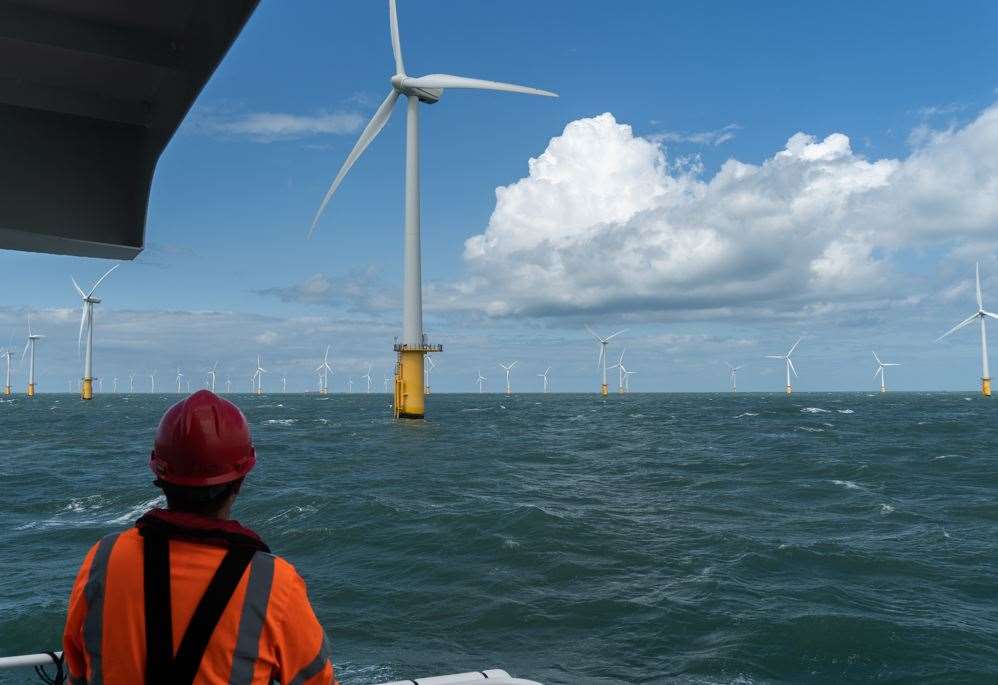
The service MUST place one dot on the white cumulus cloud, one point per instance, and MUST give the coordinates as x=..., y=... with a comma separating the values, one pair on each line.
x=605, y=221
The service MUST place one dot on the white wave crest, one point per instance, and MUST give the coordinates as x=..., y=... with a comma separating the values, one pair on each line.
x=814, y=410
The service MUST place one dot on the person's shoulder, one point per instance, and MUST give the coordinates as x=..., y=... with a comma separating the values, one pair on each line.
x=284, y=570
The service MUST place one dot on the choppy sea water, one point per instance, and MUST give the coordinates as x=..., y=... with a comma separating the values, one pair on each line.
x=700, y=538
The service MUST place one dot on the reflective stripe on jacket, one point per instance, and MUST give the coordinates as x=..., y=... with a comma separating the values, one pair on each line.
x=267, y=632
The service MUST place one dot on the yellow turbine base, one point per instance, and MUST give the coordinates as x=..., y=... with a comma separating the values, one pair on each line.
x=31, y=389
x=986, y=387
x=790, y=390
x=603, y=390
x=410, y=394
x=7, y=391
x=87, y=390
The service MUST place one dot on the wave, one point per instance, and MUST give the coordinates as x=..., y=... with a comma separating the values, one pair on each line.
x=848, y=484
x=280, y=422
x=886, y=509
x=746, y=413
x=845, y=411
x=814, y=410
x=810, y=429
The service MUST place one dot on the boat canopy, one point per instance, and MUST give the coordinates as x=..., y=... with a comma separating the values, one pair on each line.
x=91, y=91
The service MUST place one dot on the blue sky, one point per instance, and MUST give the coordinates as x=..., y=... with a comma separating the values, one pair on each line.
x=855, y=245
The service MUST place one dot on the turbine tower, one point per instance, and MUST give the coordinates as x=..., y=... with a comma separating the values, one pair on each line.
x=228, y=384
x=30, y=347
x=789, y=363
x=179, y=378
x=152, y=382
x=627, y=378
x=481, y=382
x=734, y=376
x=367, y=377
x=114, y=387
x=882, y=371
x=544, y=376
x=131, y=382
x=603, y=342
x=284, y=384
x=507, y=369
x=981, y=314
x=410, y=399
x=87, y=326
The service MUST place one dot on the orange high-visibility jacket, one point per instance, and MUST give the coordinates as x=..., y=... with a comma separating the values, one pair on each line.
x=267, y=632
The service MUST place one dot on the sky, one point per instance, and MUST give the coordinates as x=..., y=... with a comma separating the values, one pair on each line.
x=718, y=179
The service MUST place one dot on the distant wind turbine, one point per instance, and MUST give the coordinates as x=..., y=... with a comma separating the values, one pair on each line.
x=620, y=371
x=7, y=389
x=258, y=376
x=603, y=342
x=481, y=382
x=211, y=375
x=87, y=326
x=228, y=384
x=324, y=370
x=789, y=363
x=428, y=90
x=544, y=376
x=734, y=376
x=152, y=381
x=882, y=371
x=131, y=382
x=29, y=346
x=367, y=377
x=508, y=369
x=426, y=373
x=284, y=384
x=180, y=377
x=983, y=315
x=114, y=387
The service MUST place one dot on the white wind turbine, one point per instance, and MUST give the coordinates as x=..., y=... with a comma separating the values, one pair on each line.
x=734, y=375
x=367, y=377
x=387, y=381
x=603, y=342
x=789, y=363
x=426, y=374
x=258, y=376
x=882, y=371
x=131, y=382
x=211, y=375
x=284, y=384
x=324, y=370
x=228, y=384
x=507, y=369
x=350, y=384
x=114, y=387
x=87, y=325
x=627, y=378
x=620, y=371
x=29, y=346
x=180, y=377
x=544, y=376
x=428, y=90
x=481, y=382
x=983, y=315
x=188, y=381
x=8, y=390
x=152, y=381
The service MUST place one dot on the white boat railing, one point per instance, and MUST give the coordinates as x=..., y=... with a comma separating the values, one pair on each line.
x=494, y=676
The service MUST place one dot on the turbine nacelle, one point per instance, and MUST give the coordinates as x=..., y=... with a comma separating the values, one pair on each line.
x=428, y=96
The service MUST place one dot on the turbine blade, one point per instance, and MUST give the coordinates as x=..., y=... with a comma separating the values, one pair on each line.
x=792, y=367
x=977, y=274
x=877, y=358
x=593, y=333
x=600, y=359
x=609, y=337
x=450, y=81
x=991, y=314
x=775, y=356
x=101, y=279
x=76, y=285
x=970, y=319
x=25, y=351
x=373, y=128
x=880, y=369
x=794, y=347
x=393, y=20
x=83, y=325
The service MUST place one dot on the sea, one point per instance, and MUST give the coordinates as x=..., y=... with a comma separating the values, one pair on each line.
x=640, y=538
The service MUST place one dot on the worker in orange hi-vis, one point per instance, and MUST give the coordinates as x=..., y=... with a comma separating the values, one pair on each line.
x=188, y=595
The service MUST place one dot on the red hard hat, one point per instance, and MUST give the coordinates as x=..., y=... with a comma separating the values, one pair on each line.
x=202, y=440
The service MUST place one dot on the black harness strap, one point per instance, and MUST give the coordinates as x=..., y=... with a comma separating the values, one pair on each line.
x=162, y=667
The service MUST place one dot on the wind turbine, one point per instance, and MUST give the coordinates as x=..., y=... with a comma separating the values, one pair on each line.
x=7, y=389
x=30, y=346
x=426, y=374
x=131, y=382
x=228, y=384
x=789, y=363
x=284, y=384
x=258, y=376
x=152, y=381
x=350, y=384
x=114, y=387
x=545, y=377
x=508, y=369
x=603, y=342
x=620, y=371
x=179, y=377
x=100, y=384
x=87, y=325
x=410, y=402
x=627, y=378
x=882, y=371
x=981, y=314
x=734, y=376
x=367, y=377
x=211, y=375
x=188, y=381
x=481, y=382
x=324, y=369
x=388, y=379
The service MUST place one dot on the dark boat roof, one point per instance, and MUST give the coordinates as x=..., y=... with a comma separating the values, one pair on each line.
x=91, y=91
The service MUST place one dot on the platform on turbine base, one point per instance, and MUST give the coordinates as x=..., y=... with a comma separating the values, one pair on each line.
x=425, y=349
